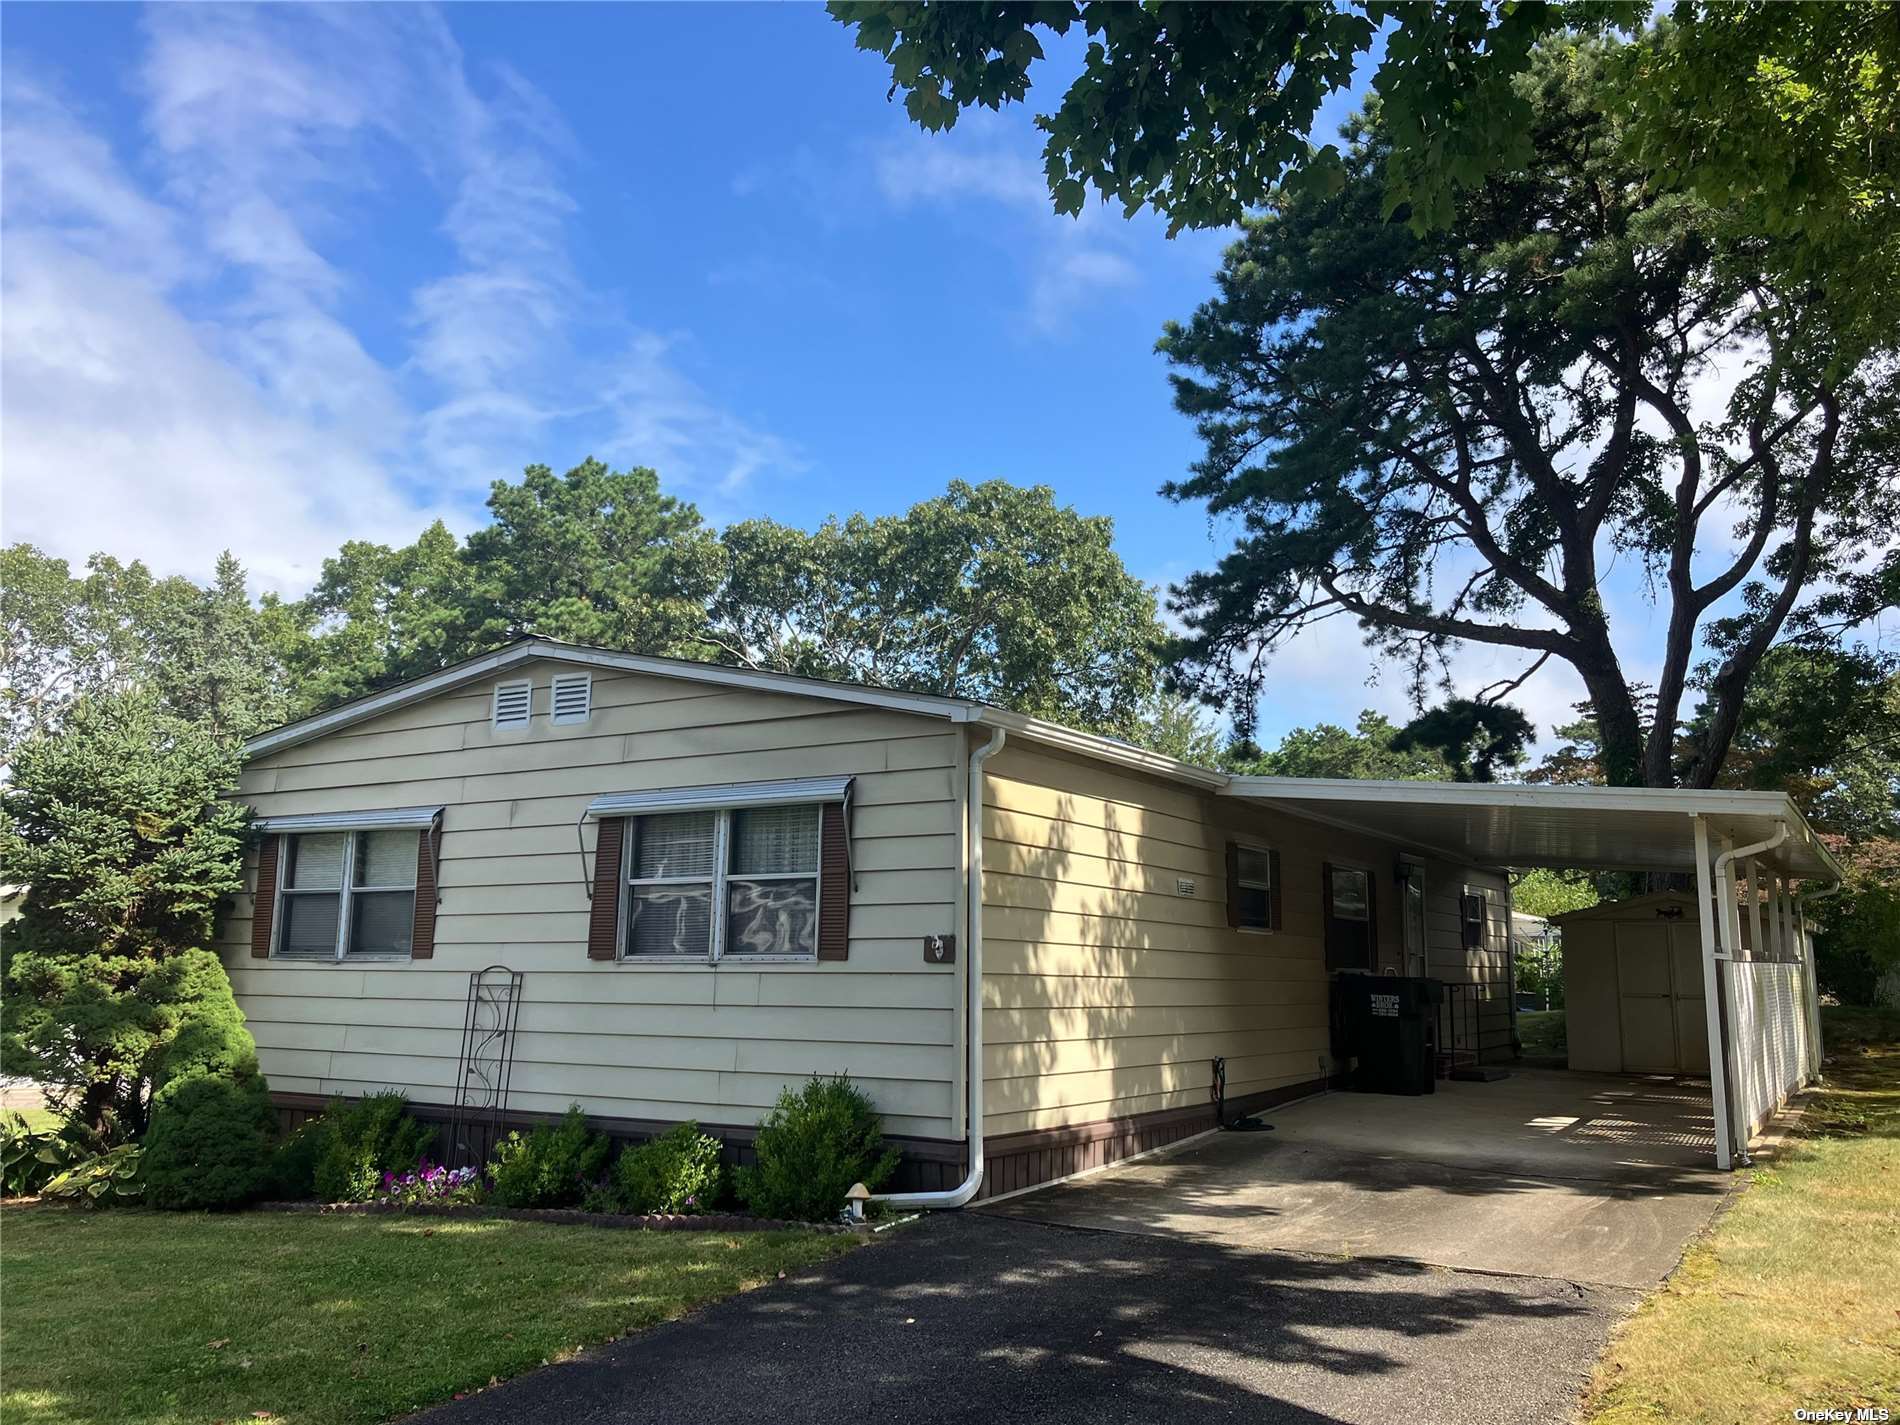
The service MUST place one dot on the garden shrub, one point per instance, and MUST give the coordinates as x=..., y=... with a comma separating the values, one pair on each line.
x=679, y=1171
x=554, y=1166
x=100, y=1179
x=293, y=1163
x=208, y=1139
x=209, y=1143
x=815, y=1143
x=359, y=1141
x=31, y=1157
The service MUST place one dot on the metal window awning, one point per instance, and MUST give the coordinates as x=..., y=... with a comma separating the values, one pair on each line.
x=394, y=819
x=1582, y=828
x=720, y=796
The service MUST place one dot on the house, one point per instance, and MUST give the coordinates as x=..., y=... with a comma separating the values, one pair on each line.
x=666, y=890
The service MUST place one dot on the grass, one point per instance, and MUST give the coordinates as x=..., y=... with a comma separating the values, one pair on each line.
x=1541, y=1031
x=1791, y=1299
x=38, y=1119
x=142, y=1318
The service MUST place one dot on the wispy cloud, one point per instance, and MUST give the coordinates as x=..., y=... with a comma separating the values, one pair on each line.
x=1068, y=262
x=186, y=364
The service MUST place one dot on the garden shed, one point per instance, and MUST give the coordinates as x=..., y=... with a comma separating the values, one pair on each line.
x=1633, y=987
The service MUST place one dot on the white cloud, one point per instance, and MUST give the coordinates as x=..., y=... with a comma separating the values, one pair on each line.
x=1068, y=262
x=183, y=364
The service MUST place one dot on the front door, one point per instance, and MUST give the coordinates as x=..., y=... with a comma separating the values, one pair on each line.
x=1414, y=912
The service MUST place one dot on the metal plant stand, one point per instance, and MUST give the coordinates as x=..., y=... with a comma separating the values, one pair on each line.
x=488, y=1060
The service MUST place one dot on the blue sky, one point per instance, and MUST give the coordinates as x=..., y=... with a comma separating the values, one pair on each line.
x=277, y=278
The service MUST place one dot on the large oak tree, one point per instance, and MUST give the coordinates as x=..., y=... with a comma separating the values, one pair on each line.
x=1452, y=436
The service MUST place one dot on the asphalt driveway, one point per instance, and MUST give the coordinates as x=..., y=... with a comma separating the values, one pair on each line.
x=972, y=1317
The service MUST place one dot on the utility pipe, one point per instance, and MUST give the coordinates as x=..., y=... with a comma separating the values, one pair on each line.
x=973, y=969
x=1729, y=938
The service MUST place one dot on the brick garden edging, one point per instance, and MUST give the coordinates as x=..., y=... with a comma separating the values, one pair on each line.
x=570, y=1216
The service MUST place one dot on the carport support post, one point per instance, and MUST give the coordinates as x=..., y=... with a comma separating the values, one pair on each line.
x=1712, y=995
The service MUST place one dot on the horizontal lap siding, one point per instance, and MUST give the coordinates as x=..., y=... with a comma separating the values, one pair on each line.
x=1486, y=970
x=643, y=1042
x=1106, y=992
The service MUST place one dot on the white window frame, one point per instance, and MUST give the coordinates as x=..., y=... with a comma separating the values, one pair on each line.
x=555, y=715
x=345, y=894
x=1266, y=851
x=721, y=879
x=494, y=707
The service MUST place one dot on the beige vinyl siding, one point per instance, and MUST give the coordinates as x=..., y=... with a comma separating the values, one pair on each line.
x=640, y=1041
x=1106, y=992
x=1488, y=968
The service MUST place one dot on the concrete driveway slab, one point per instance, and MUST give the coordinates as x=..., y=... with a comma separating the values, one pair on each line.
x=974, y=1318
x=1582, y=1178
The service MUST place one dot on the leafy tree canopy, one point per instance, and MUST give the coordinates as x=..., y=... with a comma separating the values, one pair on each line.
x=202, y=651
x=1446, y=436
x=993, y=592
x=1370, y=750
x=118, y=824
x=1784, y=113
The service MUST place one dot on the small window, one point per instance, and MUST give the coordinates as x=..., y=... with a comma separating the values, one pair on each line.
x=1351, y=941
x=1471, y=919
x=1253, y=888
x=571, y=698
x=514, y=705
x=348, y=893
x=708, y=884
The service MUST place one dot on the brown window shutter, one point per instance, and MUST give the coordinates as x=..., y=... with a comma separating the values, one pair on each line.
x=1274, y=893
x=422, y=935
x=834, y=885
x=1233, y=884
x=264, y=903
x=603, y=924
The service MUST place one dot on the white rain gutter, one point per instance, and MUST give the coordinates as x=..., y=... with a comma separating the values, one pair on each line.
x=973, y=969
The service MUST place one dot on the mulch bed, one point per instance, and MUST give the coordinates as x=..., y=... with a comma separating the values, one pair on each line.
x=571, y=1216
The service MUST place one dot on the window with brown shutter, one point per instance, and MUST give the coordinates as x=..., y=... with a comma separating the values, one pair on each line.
x=264, y=902
x=763, y=881
x=603, y=923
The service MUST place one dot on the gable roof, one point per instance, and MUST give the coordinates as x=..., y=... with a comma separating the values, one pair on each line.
x=530, y=650
x=1482, y=823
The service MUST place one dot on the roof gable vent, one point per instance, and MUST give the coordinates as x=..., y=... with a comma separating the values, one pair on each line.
x=573, y=697
x=514, y=703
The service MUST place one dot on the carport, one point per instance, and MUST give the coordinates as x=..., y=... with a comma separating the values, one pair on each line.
x=1754, y=860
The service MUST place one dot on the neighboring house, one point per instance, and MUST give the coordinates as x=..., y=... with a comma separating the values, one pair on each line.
x=715, y=883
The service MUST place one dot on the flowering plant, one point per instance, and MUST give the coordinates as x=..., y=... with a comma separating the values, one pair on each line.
x=431, y=1182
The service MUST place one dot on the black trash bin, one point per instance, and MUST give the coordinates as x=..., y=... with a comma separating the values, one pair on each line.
x=1384, y=1026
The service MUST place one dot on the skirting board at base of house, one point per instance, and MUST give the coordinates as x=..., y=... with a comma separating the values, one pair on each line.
x=1014, y=1161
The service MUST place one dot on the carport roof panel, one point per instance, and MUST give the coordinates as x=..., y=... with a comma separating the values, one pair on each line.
x=1588, y=828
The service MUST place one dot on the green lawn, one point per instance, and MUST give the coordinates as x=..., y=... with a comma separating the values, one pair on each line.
x=138, y=1318
x=1541, y=1031
x=1791, y=1300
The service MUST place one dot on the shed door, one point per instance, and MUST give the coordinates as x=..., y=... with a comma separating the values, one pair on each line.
x=1646, y=1004
x=1692, y=1023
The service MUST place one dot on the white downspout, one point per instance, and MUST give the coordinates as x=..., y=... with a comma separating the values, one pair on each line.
x=1724, y=923
x=973, y=970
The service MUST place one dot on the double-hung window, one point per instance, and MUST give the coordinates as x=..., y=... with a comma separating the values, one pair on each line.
x=710, y=884
x=348, y=892
x=753, y=871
